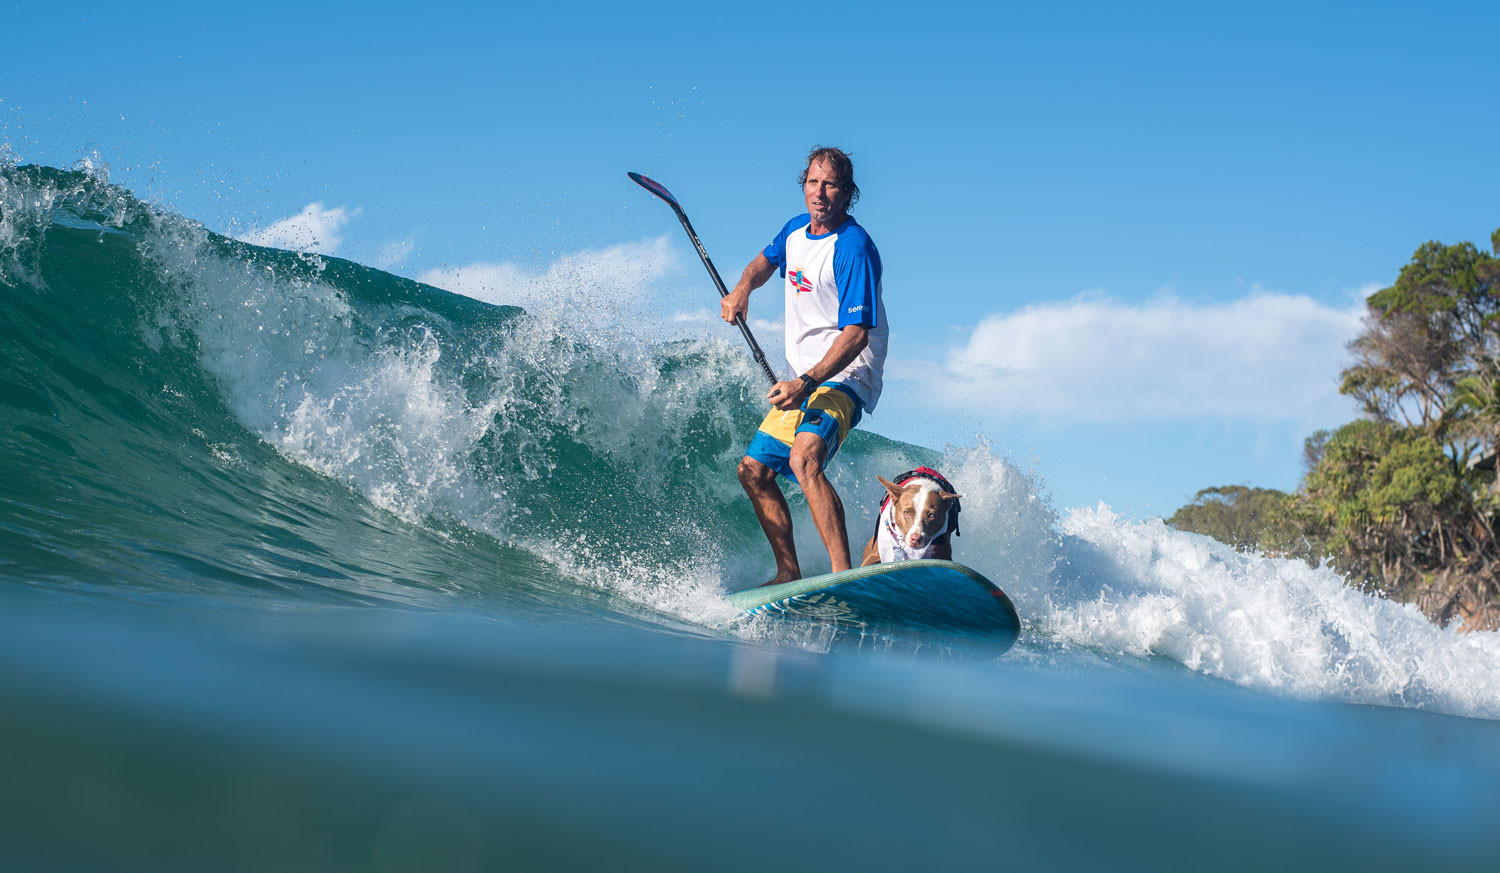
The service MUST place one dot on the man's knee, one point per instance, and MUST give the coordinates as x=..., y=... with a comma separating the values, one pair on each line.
x=807, y=459
x=753, y=473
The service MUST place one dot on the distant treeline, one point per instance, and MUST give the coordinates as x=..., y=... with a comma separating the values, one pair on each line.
x=1405, y=500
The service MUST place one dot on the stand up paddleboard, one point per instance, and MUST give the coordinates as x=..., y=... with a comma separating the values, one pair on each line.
x=932, y=595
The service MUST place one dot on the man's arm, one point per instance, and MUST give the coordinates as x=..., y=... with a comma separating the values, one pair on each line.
x=737, y=303
x=850, y=342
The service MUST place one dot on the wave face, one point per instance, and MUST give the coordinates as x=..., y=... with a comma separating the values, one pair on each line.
x=197, y=420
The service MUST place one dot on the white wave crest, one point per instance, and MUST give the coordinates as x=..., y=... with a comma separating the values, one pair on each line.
x=1143, y=589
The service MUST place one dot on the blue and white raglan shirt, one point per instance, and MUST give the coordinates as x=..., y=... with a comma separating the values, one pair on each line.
x=832, y=281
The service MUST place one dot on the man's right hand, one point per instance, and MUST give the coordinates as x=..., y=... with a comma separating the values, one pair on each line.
x=734, y=305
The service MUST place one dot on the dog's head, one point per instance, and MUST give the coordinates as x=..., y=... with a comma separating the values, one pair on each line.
x=919, y=509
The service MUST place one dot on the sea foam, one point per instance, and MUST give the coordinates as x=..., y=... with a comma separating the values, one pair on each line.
x=1142, y=589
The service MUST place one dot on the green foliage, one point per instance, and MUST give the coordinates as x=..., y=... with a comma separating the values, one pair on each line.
x=1474, y=407
x=1397, y=513
x=1374, y=475
x=1263, y=519
x=1381, y=465
x=1439, y=278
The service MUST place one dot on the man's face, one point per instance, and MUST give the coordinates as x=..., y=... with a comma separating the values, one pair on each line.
x=826, y=198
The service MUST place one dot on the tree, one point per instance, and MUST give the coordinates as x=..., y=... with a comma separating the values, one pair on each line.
x=1381, y=491
x=1248, y=518
x=1409, y=497
x=1474, y=408
x=1437, y=325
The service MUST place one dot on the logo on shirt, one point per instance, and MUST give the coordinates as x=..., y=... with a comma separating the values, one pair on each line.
x=800, y=281
x=853, y=309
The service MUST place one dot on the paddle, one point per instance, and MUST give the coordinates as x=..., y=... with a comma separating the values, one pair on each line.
x=656, y=188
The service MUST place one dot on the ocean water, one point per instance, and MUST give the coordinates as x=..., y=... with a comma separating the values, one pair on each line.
x=306, y=566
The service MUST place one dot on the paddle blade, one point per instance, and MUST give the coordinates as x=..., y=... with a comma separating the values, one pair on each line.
x=654, y=187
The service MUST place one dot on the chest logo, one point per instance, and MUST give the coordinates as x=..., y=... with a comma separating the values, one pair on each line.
x=799, y=280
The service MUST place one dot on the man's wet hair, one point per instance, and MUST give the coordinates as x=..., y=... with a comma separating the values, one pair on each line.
x=843, y=169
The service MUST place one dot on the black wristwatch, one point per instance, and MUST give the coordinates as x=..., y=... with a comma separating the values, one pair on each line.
x=809, y=383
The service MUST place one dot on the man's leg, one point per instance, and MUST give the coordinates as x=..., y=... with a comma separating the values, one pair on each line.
x=824, y=503
x=759, y=482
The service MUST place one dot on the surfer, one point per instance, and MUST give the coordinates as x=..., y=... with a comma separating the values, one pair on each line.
x=835, y=348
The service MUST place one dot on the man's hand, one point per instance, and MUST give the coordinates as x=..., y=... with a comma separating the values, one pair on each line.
x=788, y=395
x=735, y=304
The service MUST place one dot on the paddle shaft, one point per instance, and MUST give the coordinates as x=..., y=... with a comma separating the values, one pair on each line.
x=739, y=320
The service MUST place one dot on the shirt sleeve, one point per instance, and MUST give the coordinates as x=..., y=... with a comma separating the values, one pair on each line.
x=776, y=251
x=856, y=271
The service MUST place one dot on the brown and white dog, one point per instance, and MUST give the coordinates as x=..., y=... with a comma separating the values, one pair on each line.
x=917, y=520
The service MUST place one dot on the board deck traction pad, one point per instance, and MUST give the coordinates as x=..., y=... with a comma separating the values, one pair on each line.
x=788, y=596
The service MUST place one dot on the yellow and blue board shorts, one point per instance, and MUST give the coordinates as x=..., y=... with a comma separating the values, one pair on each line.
x=831, y=411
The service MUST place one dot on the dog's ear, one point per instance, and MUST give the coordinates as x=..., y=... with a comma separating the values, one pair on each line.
x=890, y=486
x=948, y=495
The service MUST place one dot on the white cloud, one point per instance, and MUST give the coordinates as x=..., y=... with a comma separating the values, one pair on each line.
x=597, y=278
x=1264, y=357
x=314, y=229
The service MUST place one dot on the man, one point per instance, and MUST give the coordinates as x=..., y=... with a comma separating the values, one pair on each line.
x=835, y=346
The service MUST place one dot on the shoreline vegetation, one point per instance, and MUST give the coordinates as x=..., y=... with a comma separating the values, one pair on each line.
x=1403, y=501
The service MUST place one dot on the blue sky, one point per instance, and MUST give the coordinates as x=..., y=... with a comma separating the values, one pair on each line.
x=1124, y=243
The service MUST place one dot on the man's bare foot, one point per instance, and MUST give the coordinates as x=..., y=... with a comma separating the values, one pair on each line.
x=780, y=578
